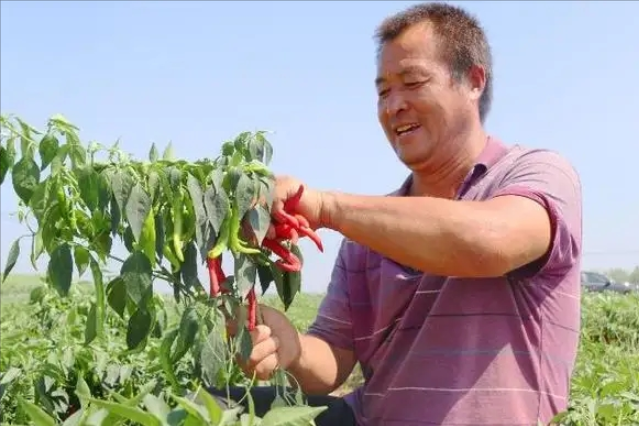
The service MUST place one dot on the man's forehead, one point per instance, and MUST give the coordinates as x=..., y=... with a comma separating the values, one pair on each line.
x=402, y=69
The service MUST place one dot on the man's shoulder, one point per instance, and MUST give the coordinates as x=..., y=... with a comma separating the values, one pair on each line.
x=534, y=158
x=352, y=255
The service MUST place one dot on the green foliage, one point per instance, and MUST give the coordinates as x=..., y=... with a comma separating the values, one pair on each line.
x=46, y=337
x=605, y=385
x=78, y=201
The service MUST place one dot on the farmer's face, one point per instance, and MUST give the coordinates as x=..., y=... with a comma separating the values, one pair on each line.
x=420, y=107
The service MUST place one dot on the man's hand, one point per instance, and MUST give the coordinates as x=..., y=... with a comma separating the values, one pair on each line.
x=276, y=344
x=310, y=204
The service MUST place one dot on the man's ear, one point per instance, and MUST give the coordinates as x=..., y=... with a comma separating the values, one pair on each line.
x=476, y=80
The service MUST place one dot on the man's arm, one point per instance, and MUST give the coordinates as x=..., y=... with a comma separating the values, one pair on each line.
x=327, y=357
x=466, y=238
x=322, y=368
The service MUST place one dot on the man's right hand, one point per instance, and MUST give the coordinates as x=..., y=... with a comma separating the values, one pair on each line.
x=276, y=344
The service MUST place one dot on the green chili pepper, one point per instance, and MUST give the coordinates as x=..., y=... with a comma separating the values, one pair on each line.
x=223, y=238
x=177, y=224
x=173, y=260
x=236, y=244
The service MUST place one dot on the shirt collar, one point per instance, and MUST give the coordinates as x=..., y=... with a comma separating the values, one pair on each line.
x=493, y=151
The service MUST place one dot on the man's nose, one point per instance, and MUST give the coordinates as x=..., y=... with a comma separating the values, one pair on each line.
x=395, y=103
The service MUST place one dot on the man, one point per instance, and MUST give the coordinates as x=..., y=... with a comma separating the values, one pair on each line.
x=458, y=294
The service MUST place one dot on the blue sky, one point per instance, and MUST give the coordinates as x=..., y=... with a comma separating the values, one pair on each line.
x=198, y=73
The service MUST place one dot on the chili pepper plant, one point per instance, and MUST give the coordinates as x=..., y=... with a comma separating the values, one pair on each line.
x=173, y=217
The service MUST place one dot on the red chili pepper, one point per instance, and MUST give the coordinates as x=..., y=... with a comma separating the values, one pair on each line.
x=252, y=309
x=221, y=277
x=287, y=232
x=291, y=266
x=302, y=220
x=291, y=203
x=308, y=232
x=285, y=217
x=216, y=276
x=289, y=261
x=212, y=264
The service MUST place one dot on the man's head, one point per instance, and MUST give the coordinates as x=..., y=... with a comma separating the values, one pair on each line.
x=434, y=72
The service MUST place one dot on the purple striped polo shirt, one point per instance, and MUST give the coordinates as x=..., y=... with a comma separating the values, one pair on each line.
x=450, y=351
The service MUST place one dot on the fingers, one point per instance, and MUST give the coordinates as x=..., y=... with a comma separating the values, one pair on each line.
x=263, y=359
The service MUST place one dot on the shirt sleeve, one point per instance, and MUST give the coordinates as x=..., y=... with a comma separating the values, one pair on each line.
x=549, y=179
x=333, y=323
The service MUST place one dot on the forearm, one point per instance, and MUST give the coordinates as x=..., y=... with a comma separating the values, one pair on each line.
x=443, y=237
x=320, y=369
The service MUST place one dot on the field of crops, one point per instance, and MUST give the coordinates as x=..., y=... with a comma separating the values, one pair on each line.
x=43, y=356
x=118, y=352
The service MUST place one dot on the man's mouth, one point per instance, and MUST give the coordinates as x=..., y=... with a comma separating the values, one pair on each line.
x=406, y=129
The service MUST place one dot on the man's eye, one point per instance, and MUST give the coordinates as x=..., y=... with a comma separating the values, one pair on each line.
x=413, y=83
x=382, y=93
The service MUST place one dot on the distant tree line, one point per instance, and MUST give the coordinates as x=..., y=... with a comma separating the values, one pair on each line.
x=623, y=275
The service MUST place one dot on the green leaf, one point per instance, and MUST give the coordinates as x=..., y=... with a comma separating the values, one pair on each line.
x=217, y=179
x=168, y=154
x=48, y=149
x=139, y=327
x=136, y=272
x=104, y=190
x=78, y=154
x=212, y=356
x=266, y=277
x=58, y=162
x=116, y=295
x=267, y=190
x=11, y=149
x=201, y=218
x=267, y=148
x=25, y=176
x=244, y=194
x=26, y=141
x=189, y=325
x=60, y=269
x=217, y=206
x=245, y=274
x=246, y=342
x=154, y=184
x=138, y=208
x=89, y=184
x=189, y=267
x=134, y=414
x=121, y=184
x=37, y=248
x=41, y=199
x=194, y=410
x=291, y=416
x=116, y=215
x=290, y=286
x=81, y=256
x=165, y=358
x=90, y=332
x=35, y=413
x=82, y=391
x=153, y=153
x=5, y=163
x=260, y=220
x=14, y=253
x=156, y=406
x=212, y=407
x=128, y=239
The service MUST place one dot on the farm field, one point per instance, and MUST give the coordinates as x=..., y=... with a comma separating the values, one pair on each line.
x=42, y=354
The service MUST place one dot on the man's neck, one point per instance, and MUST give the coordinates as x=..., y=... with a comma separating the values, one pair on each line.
x=445, y=181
